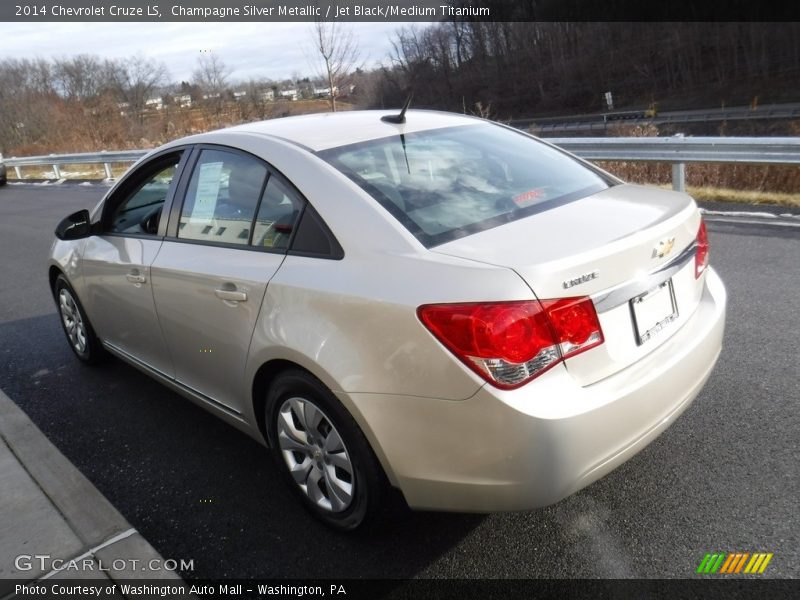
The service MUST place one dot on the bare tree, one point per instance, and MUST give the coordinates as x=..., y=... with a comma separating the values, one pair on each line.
x=136, y=79
x=211, y=73
x=80, y=77
x=339, y=54
x=256, y=102
x=211, y=76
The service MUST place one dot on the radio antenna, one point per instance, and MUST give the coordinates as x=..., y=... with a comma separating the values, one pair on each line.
x=401, y=117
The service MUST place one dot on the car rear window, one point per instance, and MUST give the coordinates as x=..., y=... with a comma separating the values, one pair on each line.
x=447, y=183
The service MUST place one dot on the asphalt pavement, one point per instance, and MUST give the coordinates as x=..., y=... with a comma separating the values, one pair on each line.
x=724, y=477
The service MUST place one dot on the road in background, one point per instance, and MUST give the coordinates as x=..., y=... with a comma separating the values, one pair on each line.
x=724, y=477
x=608, y=120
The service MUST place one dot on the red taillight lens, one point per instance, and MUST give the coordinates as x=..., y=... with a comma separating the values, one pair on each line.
x=701, y=256
x=510, y=343
x=575, y=323
x=512, y=331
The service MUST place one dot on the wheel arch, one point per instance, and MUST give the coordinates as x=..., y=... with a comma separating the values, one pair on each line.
x=262, y=379
x=271, y=368
x=267, y=373
x=52, y=274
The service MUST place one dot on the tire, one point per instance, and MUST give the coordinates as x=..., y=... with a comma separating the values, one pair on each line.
x=342, y=484
x=80, y=335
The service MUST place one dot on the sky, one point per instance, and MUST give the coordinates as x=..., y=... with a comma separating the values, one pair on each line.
x=252, y=50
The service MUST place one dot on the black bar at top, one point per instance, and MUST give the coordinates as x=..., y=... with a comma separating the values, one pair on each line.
x=396, y=10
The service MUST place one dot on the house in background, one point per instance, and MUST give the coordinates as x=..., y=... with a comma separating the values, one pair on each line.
x=325, y=92
x=154, y=103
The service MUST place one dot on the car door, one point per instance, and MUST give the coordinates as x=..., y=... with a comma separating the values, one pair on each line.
x=116, y=263
x=227, y=238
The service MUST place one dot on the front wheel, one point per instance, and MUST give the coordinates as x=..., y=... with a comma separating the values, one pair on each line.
x=79, y=332
x=322, y=452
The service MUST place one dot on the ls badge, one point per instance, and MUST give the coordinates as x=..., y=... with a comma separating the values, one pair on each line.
x=582, y=279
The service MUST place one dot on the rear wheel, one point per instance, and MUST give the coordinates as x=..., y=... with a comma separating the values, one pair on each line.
x=323, y=454
x=79, y=332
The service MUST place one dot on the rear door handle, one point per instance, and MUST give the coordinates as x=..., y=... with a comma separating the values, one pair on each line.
x=136, y=277
x=231, y=295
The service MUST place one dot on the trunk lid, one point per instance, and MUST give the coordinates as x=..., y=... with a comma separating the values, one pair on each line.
x=613, y=246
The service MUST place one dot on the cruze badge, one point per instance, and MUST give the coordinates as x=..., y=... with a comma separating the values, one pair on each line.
x=582, y=279
x=664, y=247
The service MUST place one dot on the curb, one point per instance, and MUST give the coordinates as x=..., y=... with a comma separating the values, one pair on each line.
x=93, y=534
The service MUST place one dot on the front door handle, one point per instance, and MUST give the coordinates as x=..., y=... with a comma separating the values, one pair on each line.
x=136, y=277
x=231, y=295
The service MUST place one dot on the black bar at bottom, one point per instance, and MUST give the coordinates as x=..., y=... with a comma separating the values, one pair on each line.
x=705, y=586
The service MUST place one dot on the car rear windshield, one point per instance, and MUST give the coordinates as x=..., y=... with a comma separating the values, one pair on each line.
x=447, y=183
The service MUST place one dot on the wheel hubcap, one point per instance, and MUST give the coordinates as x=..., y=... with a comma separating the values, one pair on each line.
x=315, y=454
x=73, y=323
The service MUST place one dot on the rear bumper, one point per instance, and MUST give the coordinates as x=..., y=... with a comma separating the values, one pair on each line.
x=530, y=447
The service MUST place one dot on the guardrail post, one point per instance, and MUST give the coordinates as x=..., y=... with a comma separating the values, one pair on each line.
x=57, y=171
x=679, y=173
x=18, y=172
x=679, y=177
x=107, y=168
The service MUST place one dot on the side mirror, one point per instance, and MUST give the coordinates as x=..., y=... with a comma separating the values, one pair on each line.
x=75, y=226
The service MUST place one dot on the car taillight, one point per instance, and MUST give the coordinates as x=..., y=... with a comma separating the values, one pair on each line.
x=701, y=256
x=511, y=343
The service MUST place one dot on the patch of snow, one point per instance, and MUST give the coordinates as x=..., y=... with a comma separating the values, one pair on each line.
x=740, y=213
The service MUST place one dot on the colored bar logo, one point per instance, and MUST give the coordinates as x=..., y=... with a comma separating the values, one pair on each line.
x=734, y=562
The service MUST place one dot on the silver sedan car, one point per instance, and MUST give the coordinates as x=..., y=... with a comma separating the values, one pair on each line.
x=427, y=302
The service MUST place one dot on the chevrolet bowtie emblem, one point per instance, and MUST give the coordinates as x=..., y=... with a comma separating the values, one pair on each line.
x=664, y=247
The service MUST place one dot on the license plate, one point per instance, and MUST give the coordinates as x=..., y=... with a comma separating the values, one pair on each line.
x=653, y=311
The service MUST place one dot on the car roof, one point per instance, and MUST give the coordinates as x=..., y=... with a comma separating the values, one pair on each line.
x=328, y=130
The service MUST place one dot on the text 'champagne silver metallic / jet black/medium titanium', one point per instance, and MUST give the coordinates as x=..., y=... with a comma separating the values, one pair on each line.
x=444, y=305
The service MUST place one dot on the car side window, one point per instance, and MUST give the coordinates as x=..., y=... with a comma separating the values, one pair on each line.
x=222, y=198
x=140, y=211
x=277, y=216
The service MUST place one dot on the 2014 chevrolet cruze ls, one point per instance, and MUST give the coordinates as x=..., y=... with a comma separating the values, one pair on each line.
x=431, y=302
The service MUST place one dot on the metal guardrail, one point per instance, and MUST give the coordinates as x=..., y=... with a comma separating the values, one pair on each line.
x=777, y=150
x=86, y=158
x=679, y=150
x=676, y=150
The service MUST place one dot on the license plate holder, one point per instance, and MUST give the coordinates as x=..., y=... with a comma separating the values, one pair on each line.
x=653, y=310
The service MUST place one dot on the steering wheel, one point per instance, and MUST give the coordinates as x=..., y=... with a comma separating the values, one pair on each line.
x=149, y=223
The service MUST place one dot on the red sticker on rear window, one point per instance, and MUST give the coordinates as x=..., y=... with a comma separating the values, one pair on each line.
x=528, y=198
